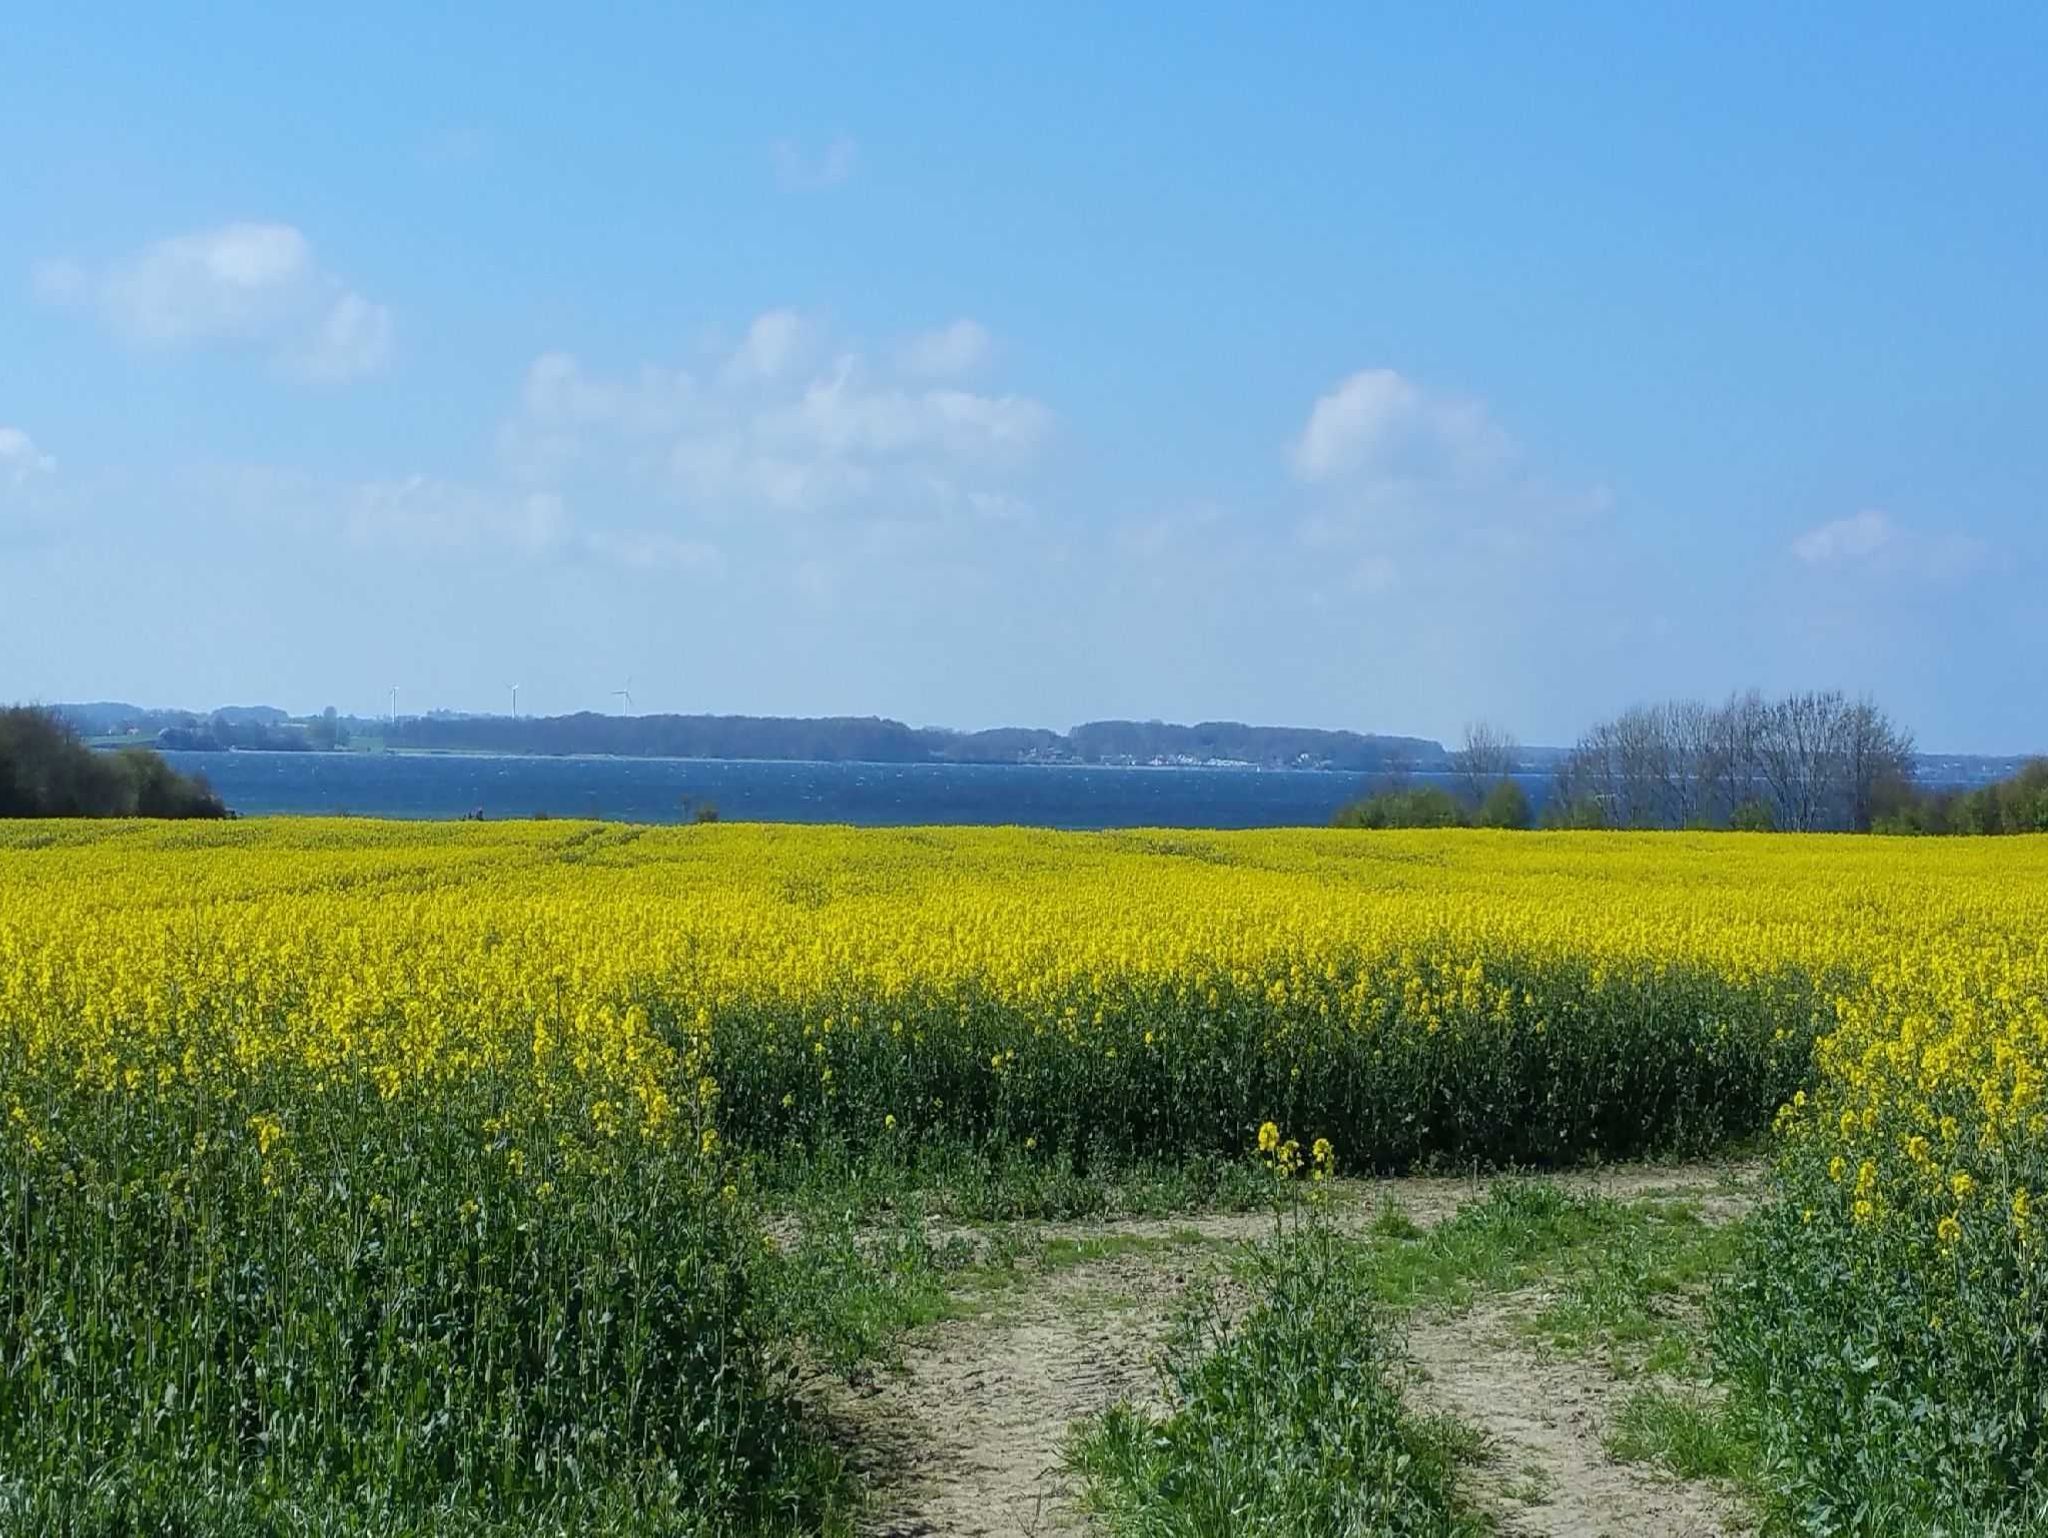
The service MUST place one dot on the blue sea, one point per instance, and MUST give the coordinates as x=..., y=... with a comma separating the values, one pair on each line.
x=672, y=790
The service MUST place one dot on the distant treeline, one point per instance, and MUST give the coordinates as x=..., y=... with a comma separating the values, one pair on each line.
x=1811, y=762
x=262, y=727
x=46, y=770
x=224, y=731
x=2015, y=805
x=870, y=739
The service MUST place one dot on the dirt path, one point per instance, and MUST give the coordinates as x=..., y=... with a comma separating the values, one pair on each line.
x=965, y=1440
x=1720, y=1191
x=1543, y=1416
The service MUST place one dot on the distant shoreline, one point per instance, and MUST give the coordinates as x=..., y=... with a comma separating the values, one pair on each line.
x=950, y=766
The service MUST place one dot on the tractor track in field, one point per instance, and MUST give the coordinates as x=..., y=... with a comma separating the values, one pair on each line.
x=965, y=1439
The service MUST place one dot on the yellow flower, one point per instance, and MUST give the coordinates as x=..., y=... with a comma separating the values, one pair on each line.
x=1949, y=1231
x=1269, y=1137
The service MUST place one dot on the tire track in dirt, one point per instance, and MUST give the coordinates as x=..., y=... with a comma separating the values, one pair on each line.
x=1544, y=1417
x=965, y=1440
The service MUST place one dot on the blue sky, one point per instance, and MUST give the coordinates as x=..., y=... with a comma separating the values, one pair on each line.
x=1281, y=364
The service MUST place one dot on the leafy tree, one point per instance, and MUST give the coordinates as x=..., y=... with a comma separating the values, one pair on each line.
x=46, y=770
x=1505, y=806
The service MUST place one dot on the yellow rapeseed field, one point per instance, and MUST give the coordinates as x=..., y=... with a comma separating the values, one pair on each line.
x=309, y=1081
x=774, y=981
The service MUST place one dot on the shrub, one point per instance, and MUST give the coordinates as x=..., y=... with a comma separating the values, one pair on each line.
x=1753, y=816
x=1584, y=813
x=1422, y=806
x=1505, y=806
x=46, y=770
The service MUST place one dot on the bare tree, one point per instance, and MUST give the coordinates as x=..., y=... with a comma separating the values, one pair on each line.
x=1792, y=753
x=1701, y=789
x=1876, y=758
x=1814, y=761
x=1642, y=767
x=1485, y=759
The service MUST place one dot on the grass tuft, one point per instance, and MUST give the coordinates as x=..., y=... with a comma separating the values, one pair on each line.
x=1684, y=1432
x=1284, y=1419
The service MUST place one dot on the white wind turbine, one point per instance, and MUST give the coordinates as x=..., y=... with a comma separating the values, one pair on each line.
x=515, y=701
x=625, y=694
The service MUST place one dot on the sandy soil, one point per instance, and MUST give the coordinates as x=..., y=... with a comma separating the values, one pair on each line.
x=1543, y=1416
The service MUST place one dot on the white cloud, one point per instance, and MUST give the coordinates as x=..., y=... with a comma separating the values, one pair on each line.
x=235, y=281
x=20, y=459
x=763, y=429
x=1855, y=538
x=250, y=283
x=799, y=171
x=771, y=346
x=1419, y=500
x=1873, y=541
x=844, y=414
x=1379, y=425
x=959, y=348
x=353, y=339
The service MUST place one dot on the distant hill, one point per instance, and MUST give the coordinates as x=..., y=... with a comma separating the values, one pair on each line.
x=845, y=739
x=871, y=739
x=1139, y=742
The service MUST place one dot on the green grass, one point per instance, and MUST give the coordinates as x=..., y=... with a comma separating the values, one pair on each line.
x=1286, y=1420
x=1290, y=1419
x=1626, y=1278
x=1635, y=1295
x=1520, y=1232
x=1062, y=1253
x=849, y=1293
x=1392, y=1222
x=1685, y=1432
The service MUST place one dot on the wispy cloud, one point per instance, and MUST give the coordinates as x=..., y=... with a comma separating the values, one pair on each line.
x=1855, y=538
x=1873, y=541
x=20, y=460
x=1378, y=424
x=959, y=348
x=800, y=170
x=765, y=428
x=772, y=345
x=248, y=284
